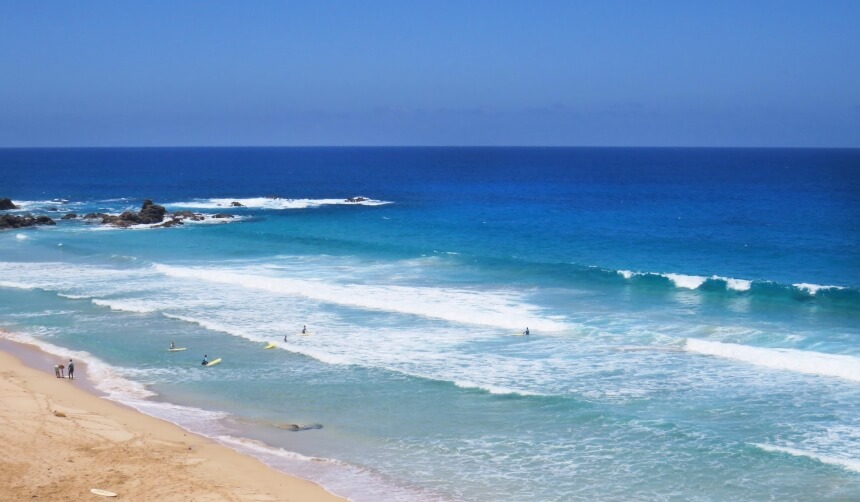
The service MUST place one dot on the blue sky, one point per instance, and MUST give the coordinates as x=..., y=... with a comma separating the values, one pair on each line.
x=568, y=73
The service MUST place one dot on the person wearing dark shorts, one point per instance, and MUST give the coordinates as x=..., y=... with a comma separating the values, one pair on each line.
x=71, y=369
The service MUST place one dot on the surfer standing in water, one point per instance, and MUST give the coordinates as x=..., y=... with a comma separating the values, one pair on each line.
x=172, y=345
x=304, y=329
x=526, y=332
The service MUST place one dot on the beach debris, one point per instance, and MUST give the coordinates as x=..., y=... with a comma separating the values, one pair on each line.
x=59, y=414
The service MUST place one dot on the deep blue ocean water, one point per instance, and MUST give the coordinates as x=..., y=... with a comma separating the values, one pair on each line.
x=694, y=313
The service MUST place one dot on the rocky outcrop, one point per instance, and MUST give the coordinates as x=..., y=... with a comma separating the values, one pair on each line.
x=7, y=204
x=356, y=199
x=96, y=216
x=8, y=221
x=188, y=215
x=223, y=215
x=151, y=213
x=236, y=204
x=69, y=216
x=169, y=223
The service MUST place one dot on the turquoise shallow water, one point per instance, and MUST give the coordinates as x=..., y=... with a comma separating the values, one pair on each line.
x=694, y=313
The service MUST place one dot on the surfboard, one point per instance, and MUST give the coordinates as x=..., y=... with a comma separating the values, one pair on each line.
x=270, y=345
x=214, y=362
x=304, y=334
x=177, y=349
x=103, y=493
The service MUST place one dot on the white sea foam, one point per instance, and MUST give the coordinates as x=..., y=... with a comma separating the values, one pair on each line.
x=813, y=363
x=735, y=284
x=273, y=203
x=685, y=281
x=124, y=306
x=812, y=289
x=851, y=464
x=627, y=274
x=495, y=389
x=490, y=308
x=21, y=237
x=16, y=285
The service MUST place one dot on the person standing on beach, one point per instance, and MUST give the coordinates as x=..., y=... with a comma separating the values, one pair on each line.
x=57, y=370
x=71, y=369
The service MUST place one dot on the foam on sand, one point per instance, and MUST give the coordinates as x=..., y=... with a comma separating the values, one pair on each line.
x=800, y=361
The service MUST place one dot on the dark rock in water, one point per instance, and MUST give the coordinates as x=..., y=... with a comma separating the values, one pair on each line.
x=188, y=215
x=53, y=208
x=237, y=204
x=8, y=221
x=298, y=427
x=223, y=215
x=356, y=199
x=95, y=216
x=7, y=204
x=69, y=216
x=151, y=212
x=169, y=223
x=273, y=197
x=130, y=217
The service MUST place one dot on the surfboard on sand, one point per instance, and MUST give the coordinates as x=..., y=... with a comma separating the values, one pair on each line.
x=177, y=349
x=271, y=345
x=103, y=493
x=214, y=362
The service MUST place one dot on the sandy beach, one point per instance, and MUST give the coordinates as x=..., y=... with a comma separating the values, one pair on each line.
x=60, y=440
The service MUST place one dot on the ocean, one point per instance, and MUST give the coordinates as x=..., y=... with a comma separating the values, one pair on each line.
x=694, y=314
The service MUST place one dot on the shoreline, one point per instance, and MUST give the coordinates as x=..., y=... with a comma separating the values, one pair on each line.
x=62, y=437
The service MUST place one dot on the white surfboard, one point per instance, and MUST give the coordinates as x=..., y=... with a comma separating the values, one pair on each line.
x=177, y=349
x=213, y=363
x=103, y=493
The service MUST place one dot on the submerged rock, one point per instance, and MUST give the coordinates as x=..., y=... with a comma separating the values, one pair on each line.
x=223, y=215
x=298, y=427
x=356, y=199
x=69, y=216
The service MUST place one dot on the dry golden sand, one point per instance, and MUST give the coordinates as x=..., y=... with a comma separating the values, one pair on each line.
x=58, y=441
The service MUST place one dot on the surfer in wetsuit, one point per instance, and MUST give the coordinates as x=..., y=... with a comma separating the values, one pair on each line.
x=205, y=360
x=526, y=332
x=304, y=329
x=172, y=345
